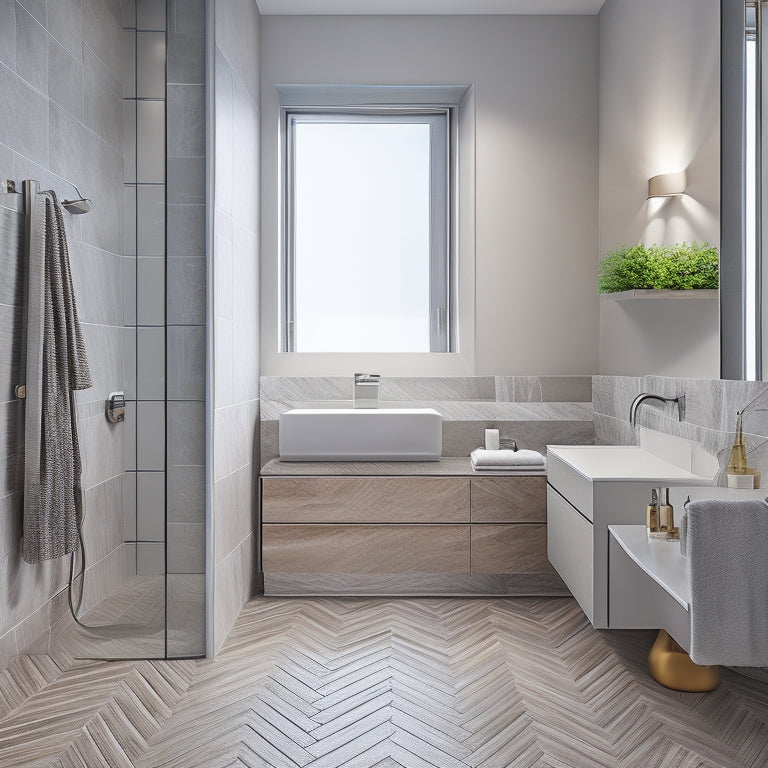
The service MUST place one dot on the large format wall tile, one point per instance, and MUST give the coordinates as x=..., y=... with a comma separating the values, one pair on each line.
x=61, y=124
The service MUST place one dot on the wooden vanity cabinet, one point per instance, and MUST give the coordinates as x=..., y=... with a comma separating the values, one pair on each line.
x=405, y=535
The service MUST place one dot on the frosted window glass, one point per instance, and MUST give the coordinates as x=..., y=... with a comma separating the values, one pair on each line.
x=361, y=223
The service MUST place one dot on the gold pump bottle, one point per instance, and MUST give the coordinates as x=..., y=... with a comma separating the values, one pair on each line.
x=737, y=462
x=666, y=514
x=652, y=516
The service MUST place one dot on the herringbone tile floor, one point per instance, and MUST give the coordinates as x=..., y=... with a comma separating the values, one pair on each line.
x=386, y=683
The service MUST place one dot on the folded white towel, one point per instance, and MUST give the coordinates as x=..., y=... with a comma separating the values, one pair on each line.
x=506, y=459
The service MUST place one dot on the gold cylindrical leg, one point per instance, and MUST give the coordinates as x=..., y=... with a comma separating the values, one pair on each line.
x=671, y=666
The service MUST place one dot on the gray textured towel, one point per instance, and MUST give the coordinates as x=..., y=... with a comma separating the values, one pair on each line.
x=728, y=555
x=56, y=365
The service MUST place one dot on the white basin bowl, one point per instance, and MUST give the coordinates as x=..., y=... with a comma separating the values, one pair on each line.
x=361, y=434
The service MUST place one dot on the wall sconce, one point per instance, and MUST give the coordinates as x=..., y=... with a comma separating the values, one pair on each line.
x=667, y=185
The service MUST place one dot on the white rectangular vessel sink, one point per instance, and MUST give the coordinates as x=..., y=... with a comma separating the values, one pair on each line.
x=361, y=434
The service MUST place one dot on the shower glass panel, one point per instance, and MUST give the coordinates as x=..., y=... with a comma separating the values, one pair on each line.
x=138, y=267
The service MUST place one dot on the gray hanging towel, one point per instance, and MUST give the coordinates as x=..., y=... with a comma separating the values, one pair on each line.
x=56, y=366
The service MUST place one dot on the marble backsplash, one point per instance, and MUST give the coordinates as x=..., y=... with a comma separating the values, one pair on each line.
x=710, y=413
x=533, y=410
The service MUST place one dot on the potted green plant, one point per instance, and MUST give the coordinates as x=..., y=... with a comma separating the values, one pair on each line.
x=679, y=267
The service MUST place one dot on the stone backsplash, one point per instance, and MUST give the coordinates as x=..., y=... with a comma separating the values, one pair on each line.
x=710, y=413
x=533, y=410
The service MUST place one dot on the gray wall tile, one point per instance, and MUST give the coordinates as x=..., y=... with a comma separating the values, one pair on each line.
x=186, y=180
x=129, y=363
x=150, y=142
x=150, y=558
x=65, y=79
x=129, y=63
x=129, y=290
x=105, y=499
x=566, y=389
x=186, y=111
x=185, y=614
x=150, y=436
x=129, y=143
x=186, y=494
x=10, y=351
x=129, y=429
x=32, y=49
x=8, y=34
x=186, y=58
x=150, y=363
x=150, y=498
x=129, y=506
x=150, y=65
x=98, y=281
x=186, y=291
x=128, y=13
x=186, y=231
x=102, y=101
x=186, y=433
x=235, y=504
x=65, y=25
x=102, y=34
x=129, y=212
x=150, y=14
x=24, y=128
x=186, y=548
x=186, y=362
x=150, y=287
x=150, y=211
x=187, y=16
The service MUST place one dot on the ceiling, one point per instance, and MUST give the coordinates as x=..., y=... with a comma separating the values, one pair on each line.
x=418, y=7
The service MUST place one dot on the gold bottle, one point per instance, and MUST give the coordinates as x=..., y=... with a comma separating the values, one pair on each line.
x=666, y=514
x=737, y=462
x=652, y=516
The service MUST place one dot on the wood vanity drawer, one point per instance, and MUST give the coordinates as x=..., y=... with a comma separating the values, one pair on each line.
x=507, y=549
x=369, y=549
x=509, y=500
x=365, y=500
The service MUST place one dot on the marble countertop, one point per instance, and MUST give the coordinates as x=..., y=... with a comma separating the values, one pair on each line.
x=448, y=467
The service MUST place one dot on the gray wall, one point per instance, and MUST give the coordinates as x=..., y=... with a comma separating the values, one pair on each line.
x=60, y=86
x=659, y=112
x=535, y=304
x=536, y=411
x=235, y=287
x=710, y=414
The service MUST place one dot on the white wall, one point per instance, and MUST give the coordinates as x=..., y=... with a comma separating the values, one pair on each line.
x=659, y=112
x=535, y=88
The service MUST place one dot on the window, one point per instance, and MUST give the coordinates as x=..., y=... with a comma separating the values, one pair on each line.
x=367, y=245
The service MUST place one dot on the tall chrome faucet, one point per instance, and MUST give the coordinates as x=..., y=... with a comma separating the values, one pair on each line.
x=366, y=393
x=643, y=396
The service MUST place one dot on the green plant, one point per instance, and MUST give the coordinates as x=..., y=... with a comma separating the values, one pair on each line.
x=679, y=267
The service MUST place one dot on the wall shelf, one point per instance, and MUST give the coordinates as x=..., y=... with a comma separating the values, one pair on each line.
x=646, y=293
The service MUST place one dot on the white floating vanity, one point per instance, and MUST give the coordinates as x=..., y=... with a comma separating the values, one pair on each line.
x=592, y=487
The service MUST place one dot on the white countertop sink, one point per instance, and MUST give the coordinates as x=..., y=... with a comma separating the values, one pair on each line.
x=624, y=463
x=361, y=434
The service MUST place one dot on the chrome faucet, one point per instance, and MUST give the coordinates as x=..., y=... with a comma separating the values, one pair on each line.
x=643, y=396
x=366, y=392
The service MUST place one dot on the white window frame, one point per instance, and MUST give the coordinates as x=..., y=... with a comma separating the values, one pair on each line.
x=443, y=297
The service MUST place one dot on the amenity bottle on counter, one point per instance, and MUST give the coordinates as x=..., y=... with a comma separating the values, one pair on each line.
x=666, y=514
x=652, y=517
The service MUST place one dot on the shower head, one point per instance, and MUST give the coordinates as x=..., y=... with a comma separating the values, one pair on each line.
x=79, y=205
